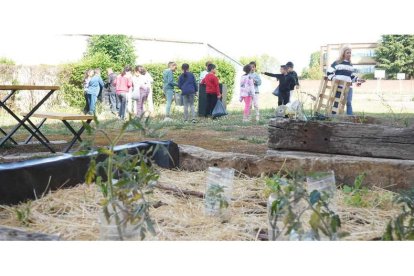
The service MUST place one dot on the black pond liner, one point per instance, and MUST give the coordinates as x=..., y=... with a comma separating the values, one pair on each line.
x=22, y=181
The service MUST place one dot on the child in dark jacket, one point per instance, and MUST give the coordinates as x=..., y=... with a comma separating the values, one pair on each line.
x=188, y=86
x=286, y=83
x=212, y=88
x=290, y=71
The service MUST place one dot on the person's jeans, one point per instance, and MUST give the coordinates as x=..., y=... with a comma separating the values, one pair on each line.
x=113, y=101
x=150, y=102
x=256, y=103
x=188, y=103
x=349, y=102
x=170, y=94
x=143, y=95
x=284, y=97
x=122, y=97
x=86, y=108
x=92, y=98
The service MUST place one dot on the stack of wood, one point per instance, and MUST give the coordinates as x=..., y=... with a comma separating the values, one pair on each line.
x=342, y=138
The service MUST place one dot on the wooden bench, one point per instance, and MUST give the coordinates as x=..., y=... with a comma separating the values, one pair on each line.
x=64, y=117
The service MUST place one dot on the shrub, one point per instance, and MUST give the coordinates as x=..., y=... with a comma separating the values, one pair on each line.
x=120, y=48
x=368, y=76
x=72, y=75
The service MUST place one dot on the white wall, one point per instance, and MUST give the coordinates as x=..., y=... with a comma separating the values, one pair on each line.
x=153, y=51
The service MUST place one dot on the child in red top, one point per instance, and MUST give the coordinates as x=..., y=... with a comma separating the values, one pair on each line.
x=212, y=88
x=123, y=83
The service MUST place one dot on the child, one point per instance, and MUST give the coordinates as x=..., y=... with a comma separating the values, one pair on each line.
x=113, y=99
x=188, y=86
x=141, y=90
x=212, y=88
x=246, y=91
x=88, y=76
x=123, y=83
x=257, y=82
x=286, y=83
x=148, y=80
x=168, y=87
x=291, y=72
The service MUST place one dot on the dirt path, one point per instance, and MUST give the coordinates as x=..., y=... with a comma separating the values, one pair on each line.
x=250, y=139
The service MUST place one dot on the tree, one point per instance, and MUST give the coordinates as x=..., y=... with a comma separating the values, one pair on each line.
x=265, y=63
x=120, y=48
x=314, y=71
x=395, y=54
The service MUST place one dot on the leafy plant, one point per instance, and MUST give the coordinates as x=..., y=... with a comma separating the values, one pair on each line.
x=401, y=227
x=289, y=201
x=215, y=194
x=354, y=195
x=125, y=180
x=23, y=213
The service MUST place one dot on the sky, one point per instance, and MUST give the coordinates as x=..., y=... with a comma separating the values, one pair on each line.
x=287, y=30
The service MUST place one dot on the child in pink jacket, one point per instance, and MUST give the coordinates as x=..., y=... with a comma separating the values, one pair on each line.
x=123, y=83
x=246, y=91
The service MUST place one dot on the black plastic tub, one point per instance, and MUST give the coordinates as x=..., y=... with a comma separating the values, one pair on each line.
x=21, y=181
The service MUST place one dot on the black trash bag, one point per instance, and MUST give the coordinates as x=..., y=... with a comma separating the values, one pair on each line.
x=218, y=110
x=276, y=92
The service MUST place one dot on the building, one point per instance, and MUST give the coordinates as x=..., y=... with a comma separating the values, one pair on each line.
x=362, y=56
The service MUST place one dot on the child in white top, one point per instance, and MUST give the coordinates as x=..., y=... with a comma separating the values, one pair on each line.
x=141, y=89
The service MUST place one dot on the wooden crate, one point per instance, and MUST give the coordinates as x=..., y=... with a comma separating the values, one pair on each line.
x=327, y=102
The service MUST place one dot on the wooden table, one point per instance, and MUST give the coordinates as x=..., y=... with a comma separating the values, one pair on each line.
x=65, y=118
x=24, y=122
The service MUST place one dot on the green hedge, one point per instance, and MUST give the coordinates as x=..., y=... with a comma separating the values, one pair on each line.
x=225, y=72
x=71, y=76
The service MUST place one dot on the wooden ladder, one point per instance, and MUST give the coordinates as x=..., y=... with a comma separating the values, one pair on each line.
x=332, y=98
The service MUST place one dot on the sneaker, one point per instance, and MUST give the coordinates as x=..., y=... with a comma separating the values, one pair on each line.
x=193, y=121
x=167, y=119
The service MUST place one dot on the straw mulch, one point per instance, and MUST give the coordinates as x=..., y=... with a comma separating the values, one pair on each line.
x=73, y=213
